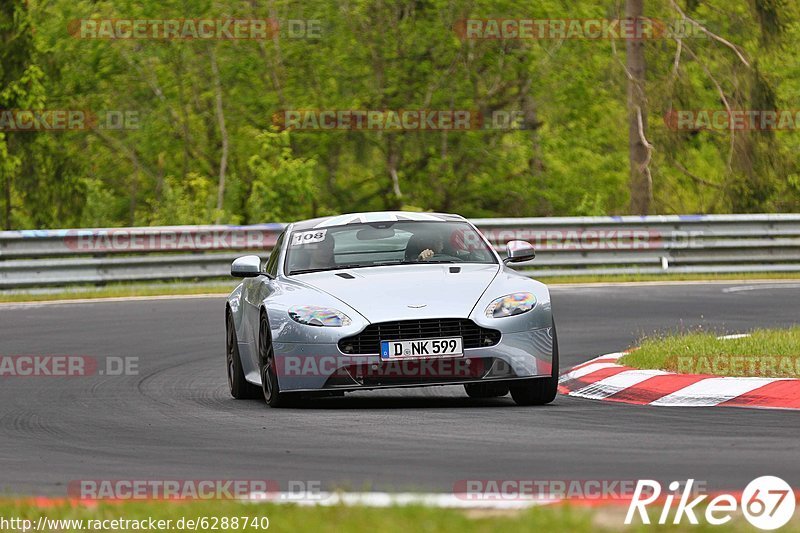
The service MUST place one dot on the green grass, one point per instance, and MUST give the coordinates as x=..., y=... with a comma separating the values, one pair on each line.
x=766, y=353
x=294, y=519
x=121, y=290
x=289, y=518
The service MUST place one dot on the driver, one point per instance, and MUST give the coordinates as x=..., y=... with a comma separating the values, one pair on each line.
x=436, y=247
x=422, y=247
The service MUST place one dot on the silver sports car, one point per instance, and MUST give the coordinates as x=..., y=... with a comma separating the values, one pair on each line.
x=389, y=299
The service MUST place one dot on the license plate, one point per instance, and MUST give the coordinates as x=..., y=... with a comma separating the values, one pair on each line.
x=422, y=348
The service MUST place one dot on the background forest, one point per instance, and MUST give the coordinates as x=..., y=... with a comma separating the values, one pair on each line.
x=200, y=148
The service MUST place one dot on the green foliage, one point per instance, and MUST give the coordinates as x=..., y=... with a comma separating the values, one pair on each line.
x=570, y=156
x=189, y=200
x=284, y=186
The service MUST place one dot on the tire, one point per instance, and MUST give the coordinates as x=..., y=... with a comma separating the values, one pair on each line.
x=239, y=387
x=486, y=390
x=270, y=388
x=539, y=391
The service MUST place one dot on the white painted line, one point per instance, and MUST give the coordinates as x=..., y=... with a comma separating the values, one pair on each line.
x=386, y=499
x=588, y=369
x=734, y=336
x=607, y=360
x=611, y=385
x=762, y=286
x=755, y=283
x=602, y=359
x=711, y=391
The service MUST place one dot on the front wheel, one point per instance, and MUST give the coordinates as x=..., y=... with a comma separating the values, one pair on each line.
x=238, y=385
x=270, y=387
x=539, y=391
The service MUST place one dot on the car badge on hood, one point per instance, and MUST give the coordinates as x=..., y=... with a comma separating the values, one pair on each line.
x=417, y=306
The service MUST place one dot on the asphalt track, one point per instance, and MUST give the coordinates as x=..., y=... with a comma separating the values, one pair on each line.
x=176, y=420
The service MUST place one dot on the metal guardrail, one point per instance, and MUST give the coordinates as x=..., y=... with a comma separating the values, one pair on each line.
x=571, y=246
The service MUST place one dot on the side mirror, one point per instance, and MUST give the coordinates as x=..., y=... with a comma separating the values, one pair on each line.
x=248, y=266
x=518, y=251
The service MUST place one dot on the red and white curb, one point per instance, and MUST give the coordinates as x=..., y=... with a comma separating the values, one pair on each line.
x=605, y=379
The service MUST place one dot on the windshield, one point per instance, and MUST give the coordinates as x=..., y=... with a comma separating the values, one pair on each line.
x=385, y=243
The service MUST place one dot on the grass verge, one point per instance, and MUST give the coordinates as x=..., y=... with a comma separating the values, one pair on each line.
x=765, y=353
x=121, y=290
x=292, y=519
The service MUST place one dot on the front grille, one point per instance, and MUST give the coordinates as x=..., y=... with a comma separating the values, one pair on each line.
x=369, y=340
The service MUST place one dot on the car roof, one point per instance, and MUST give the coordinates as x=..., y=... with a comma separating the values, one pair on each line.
x=374, y=216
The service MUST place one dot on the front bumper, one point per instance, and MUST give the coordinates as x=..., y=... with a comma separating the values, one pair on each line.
x=321, y=367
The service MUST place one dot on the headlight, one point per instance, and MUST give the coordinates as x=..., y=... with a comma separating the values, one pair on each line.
x=311, y=315
x=510, y=305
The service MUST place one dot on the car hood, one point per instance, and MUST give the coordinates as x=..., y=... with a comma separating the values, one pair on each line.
x=402, y=292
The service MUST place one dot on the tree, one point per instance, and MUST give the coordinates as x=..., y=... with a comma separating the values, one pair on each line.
x=639, y=149
x=20, y=89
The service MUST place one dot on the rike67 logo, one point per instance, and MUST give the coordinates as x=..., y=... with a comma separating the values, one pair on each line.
x=767, y=502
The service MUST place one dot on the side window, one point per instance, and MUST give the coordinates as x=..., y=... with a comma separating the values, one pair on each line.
x=272, y=262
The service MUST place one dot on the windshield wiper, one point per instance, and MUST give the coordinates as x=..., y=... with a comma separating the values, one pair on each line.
x=337, y=267
x=429, y=262
x=394, y=262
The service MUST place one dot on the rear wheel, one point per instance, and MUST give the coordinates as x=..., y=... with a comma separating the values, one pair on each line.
x=270, y=388
x=239, y=387
x=539, y=391
x=486, y=390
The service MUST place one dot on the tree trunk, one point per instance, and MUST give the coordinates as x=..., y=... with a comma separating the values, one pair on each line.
x=184, y=123
x=531, y=124
x=223, y=160
x=392, y=161
x=641, y=185
x=7, y=214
